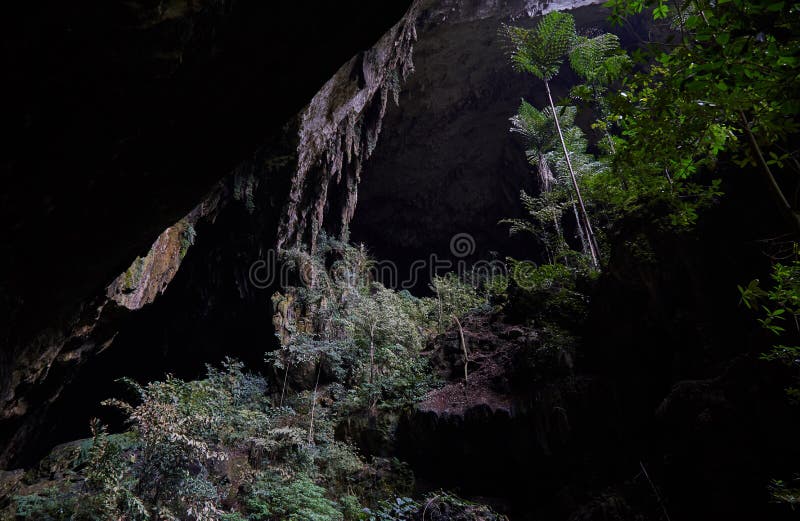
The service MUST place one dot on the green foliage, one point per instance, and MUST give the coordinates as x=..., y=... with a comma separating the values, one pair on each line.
x=394, y=375
x=48, y=505
x=555, y=145
x=497, y=287
x=778, y=307
x=547, y=297
x=600, y=60
x=538, y=128
x=233, y=516
x=785, y=492
x=351, y=508
x=453, y=298
x=400, y=509
x=556, y=202
x=542, y=50
x=105, y=492
x=181, y=427
x=108, y=482
x=438, y=507
x=244, y=188
x=368, y=337
x=188, y=236
x=188, y=436
x=543, y=144
x=231, y=447
x=727, y=89
x=295, y=499
x=531, y=277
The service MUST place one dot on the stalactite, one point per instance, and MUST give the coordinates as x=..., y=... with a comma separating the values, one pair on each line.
x=339, y=130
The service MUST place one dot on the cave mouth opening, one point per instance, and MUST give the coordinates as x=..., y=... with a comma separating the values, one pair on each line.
x=444, y=172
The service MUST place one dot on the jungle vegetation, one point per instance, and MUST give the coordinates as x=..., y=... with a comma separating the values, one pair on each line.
x=718, y=97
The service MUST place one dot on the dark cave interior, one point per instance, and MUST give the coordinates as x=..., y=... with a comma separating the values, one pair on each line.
x=666, y=374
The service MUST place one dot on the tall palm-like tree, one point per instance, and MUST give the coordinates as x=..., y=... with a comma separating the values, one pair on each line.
x=541, y=51
x=544, y=151
x=539, y=131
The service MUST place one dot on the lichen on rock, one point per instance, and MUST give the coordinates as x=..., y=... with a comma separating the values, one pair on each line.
x=148, y=276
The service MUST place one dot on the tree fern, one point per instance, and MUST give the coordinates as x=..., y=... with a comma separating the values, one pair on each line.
x=542, y=50
x=544, y=151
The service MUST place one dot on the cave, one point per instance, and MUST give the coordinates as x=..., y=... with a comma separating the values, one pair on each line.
x=243, y=267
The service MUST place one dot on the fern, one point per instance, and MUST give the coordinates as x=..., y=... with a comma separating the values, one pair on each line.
x=599, y=59
x=542, y=50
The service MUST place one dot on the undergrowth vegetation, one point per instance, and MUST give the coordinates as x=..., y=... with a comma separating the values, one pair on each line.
x=243, y=446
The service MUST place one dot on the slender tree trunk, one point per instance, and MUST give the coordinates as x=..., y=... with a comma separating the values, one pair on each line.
x=559, y=236
x=372, y=353
x=610, y=143
x=314, y=403
x=373, y=395
x=547, y=179
x=603, y=112
x=585, y=217
x=439, y=304
x=463, y=347
x=545, y=174
x=786, y=209
x=581, y=234
x=285, y=377
x=669, y=179
x=655, y=491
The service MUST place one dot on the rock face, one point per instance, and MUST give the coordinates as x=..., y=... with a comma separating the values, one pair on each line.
x=122, y=115
x=523, y=430
x=178, y=94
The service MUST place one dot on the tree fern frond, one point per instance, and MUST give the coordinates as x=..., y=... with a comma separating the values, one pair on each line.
x=566, y=114
x=542, y=50
x=520, y=225
x=599, y=59
x=519, y=39
x=529, y=122
x=529, y=202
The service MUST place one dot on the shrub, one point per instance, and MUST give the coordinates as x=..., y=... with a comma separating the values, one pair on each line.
x=453, y=298
x=296, y=499
x=48, y=505
x=107, y=491
x=185, y=430
x=351, y=508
